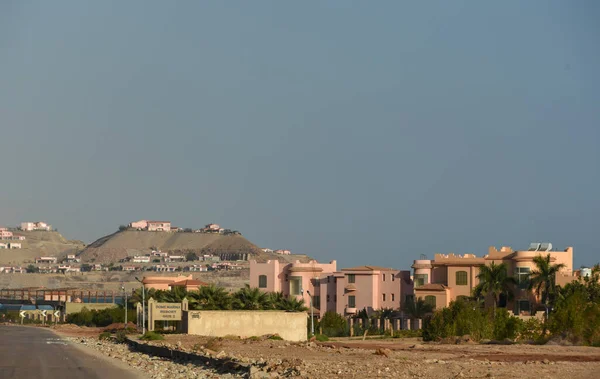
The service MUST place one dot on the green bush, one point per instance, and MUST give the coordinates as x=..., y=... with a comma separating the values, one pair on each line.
x=321, y=338
x=459, y=319
x=334, y=325
x=102, y=317
x=105, y=336
x=507, y=326
x=152, y=336
x=121, y=336
x=275, y=337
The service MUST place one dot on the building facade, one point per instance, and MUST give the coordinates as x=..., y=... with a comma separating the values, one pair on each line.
x=448, y=277
x=346, y=292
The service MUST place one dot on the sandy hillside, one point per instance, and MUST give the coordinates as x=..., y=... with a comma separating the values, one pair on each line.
x=39, y=243
x=119, y=245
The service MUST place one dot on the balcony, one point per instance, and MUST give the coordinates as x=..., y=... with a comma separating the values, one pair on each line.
x=350, y=311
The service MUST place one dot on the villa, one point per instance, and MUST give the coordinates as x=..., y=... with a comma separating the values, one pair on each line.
x=163, y=282
x=31, y=226
x=5, y=234
x=448, y=277
x=159, y=226
x=46, y=260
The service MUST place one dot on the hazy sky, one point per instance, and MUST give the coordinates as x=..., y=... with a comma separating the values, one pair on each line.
x=367, y=132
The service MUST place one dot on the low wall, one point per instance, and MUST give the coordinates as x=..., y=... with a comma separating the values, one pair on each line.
x=77, y=307
x=290, y=326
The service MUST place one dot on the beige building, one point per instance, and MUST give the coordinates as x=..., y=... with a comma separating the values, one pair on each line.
x=448, y=276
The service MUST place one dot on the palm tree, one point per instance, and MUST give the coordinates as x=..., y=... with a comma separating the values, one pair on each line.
x=494, y=281
x=210, y=298
x=251, y=299
x=291, y=304
x=543, y=279
x=418, y=308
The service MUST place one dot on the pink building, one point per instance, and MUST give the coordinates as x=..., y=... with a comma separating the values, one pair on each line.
x=163, y=282
x=5, y=234
x=365, y=287
x=40, y=225
x=159, y=226
x=449, y=276
x=345, y=292
x=140, y=225
x=295, y=279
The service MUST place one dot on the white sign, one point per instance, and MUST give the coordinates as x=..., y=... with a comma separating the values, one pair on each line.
x=22, y=314
x=57, y=314
x=44, y=312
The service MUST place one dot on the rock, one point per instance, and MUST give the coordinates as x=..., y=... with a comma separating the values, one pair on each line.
x=384, y=352
x=546, y=361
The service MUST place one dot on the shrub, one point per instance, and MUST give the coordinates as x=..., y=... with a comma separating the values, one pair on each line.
x=213, y=344
x=459, y=319
x=334, y=325
x=275, y=337
x=105, y=336
x=152, y=336
x=506, y=326
x=321, y=338
x=121, y=336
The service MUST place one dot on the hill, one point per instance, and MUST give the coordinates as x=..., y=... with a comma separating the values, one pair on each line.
x=126, y=243
x=39, y=243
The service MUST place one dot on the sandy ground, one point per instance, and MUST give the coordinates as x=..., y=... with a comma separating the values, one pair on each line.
x=408, y=358
x=392, y=358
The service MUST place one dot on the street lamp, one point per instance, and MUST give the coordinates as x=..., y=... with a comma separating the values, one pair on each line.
x=312, y=316
x=125, y=293
x=143, y=307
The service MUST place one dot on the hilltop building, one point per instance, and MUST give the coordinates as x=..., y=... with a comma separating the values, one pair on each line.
x=448, y=277
x=31, y=226
x=153, y=226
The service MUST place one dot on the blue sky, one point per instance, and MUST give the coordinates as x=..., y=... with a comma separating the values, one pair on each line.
x=367, y=132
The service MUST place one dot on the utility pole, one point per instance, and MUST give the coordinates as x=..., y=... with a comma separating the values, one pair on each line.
x=125, y=294
x=143, y=306
x=312, y=315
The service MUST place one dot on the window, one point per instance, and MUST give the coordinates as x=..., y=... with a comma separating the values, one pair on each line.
x=522, y=307
x=461, y=278
x=522, y=276
x=335, y=298
x=286, y=277
x=383, y=297
x=393, y=296
x=351, y=302
x=351, y=278
x=430, y=300
x=421, y=279
x=393, y=277
x=296, y=285
x=328, y=298
x=262, y=281
x=383, y=277
x=317, y=302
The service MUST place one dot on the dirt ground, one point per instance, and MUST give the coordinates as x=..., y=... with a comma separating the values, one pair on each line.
x=407, y=358
x=392, y=358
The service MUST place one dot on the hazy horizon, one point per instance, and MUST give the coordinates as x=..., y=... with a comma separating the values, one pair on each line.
x=368, y=133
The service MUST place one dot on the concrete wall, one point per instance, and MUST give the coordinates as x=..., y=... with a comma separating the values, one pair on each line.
x=291, y=326
x=77, y=307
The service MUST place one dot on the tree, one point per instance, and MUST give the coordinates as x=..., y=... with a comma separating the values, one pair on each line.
x=494, y=280
x=191, y=256
x=278, y=301
x=86, y=267
x=418, y=308
x=543, y=279
x=32, y=269
x=334, y=324
x=210, y=298
x=251, y=299
x=122, y=228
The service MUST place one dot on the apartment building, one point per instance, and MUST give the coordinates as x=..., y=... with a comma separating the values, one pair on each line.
x=449, y=276
x=346, y=292
x=31, y=226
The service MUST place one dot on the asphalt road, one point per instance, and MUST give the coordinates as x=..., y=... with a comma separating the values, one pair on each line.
x=29, y=352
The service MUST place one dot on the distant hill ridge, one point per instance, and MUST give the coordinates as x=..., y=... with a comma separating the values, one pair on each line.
x=121, y=244
x=39, y=243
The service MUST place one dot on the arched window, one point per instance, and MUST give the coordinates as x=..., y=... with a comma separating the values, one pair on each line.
x=262, y=281
x=430, y=300
x=461, y=278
